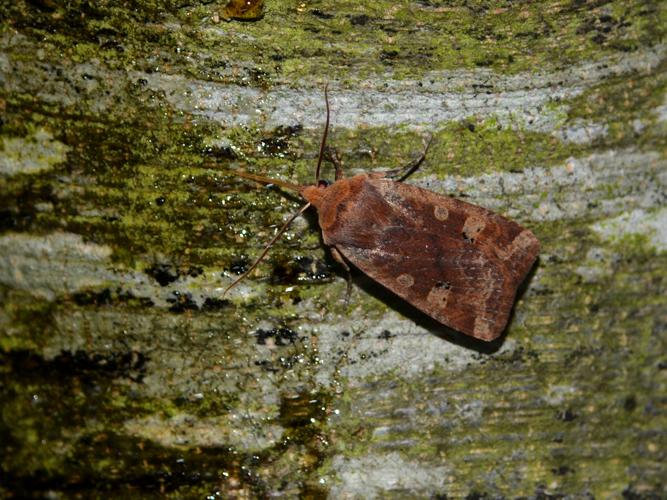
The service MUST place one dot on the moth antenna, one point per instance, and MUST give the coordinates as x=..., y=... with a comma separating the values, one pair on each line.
x=266, y=249
x=324, y=135
x=267, y=180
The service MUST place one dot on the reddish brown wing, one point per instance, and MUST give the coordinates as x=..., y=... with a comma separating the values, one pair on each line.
x=459, y=263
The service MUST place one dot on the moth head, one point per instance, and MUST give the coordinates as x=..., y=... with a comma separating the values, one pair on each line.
x=315, y=193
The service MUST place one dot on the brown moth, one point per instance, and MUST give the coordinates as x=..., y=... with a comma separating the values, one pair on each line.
x=459, y=263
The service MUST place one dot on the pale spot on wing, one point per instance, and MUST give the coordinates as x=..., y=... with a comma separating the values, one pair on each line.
x=524, y=239
x=405, y=280
x=482, y=328
x=439, y=294
x=472, y=227
x=441, y=213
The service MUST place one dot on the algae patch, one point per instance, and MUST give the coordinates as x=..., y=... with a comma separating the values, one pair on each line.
x=650, y=226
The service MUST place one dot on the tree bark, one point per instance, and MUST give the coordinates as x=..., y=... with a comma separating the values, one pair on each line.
x=126, y=373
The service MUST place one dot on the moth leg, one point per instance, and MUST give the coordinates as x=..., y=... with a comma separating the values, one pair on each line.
x=331, y=154
x=400, y=174
x=348, y=275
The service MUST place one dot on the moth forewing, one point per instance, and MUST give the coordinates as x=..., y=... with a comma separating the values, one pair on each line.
x=459, y=263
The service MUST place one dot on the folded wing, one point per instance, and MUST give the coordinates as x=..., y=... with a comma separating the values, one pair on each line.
x=459, y=263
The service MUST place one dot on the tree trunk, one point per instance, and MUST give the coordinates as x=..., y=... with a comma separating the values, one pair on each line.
x=126, y=373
